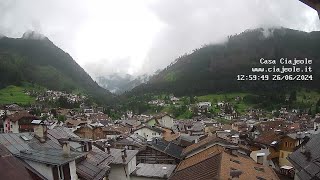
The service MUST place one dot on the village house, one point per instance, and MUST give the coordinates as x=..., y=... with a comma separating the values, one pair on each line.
x=274, y=149
x=148, y=132
x=131, y=143
x=51, y=163
x=305, y=159
x=57, y=154
x=74, y=124
x=221, y=162
x=115, y=131
x=209, y=142
x=185, y=140
x=160, y=151
x=90, y=132
x=169, y=134
x=163, y=119
x=124, y=163
x=152, y=171
x=19, y=122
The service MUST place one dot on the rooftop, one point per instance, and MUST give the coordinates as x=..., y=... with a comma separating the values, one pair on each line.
x=307, y=161
x=154, y=170
x=117, y=154
x=169, y=148
x=95, y=166
x=19, y=115
x=218, y=163
x=208, y=140
x=11, y=167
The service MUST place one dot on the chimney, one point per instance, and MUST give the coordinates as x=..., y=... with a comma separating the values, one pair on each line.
x=66, y=148
x=124, y=155
x=232, y=150
x=40, y=130
x=87, y=146
x=235, y=174
x=108, y=148
x=124, y=151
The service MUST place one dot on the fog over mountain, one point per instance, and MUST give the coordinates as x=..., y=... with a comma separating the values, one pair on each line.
x=139, y=37
x=120, y=83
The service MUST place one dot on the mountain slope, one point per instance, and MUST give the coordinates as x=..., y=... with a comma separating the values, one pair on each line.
x=34, y=58
x=214, y=68
x=117, y=83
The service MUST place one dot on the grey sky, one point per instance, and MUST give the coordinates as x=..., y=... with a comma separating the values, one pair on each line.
x=141, y=36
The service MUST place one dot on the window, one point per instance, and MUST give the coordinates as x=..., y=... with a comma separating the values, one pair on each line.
x=291, y=144
x=11, y=125
x=60, y=172
x=154, y=134
x=260, y=159
x=286, y=144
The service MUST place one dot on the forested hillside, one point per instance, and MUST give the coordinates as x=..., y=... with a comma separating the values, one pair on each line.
x=37, y=60
x=214, y=68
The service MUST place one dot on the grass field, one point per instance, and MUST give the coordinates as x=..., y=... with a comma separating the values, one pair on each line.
x=227, y=97
x=14, y=94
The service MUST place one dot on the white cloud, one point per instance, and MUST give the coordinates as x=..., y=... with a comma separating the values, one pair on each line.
x=106, y=36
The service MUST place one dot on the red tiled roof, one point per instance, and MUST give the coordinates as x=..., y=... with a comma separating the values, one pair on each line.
x=216, y=163
x=268, y=138
x=207, y=169
x=207, y=140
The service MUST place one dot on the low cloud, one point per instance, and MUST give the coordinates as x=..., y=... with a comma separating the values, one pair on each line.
x=143, y=36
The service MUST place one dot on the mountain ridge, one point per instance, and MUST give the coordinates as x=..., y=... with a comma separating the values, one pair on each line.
x=34, y=58
x=213, y=68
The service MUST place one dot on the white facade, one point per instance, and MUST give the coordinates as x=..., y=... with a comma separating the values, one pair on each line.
x=11, y=127
x=43, y=169
x=166, y=121
x=122, y=171
x=261, y=156
x=46, y=170
x=73, y=170
x=147, y=133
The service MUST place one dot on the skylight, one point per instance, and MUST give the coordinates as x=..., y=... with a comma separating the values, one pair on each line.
x=25, y=138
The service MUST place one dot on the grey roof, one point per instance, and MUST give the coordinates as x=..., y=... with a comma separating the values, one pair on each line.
x=169, y=148
x=154, y=170
x=130, y=142
x=153, y=128
x=308, y=163
x=48, y=156
x=189, y=138
x=95, y=166
x=96, y=163
x=198, y=126
x=117, y=154
x=25, y=146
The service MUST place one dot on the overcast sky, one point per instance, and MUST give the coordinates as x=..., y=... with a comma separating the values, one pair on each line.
x=141, y=36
